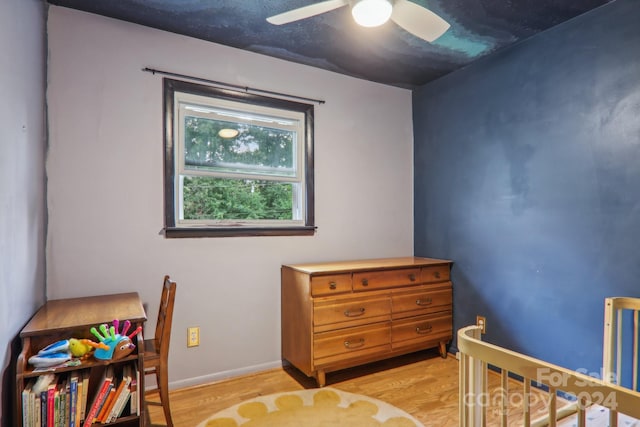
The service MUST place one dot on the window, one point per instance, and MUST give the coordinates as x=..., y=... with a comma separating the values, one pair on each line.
x=236, y=163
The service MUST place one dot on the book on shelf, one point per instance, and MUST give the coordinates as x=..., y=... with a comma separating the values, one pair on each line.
x=61, y=401
x=117, y=394
x=35, y=400
x=84, y=385
x=67, y=404
x=101, y=394
x=78, y=415
x=56, y=406
x=121, y=396
x=32, y=403
x=122, y=403
x=43, y=408
x=135, y=399
x=37, y=418
x=73, y=398
x=26, y=404
x=108, y=402
x=51, y=393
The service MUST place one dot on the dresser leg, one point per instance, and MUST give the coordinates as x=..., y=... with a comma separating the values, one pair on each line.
x=442, y=347
x=321, y=378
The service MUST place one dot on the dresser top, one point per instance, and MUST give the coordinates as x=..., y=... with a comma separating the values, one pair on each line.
x=366, y=264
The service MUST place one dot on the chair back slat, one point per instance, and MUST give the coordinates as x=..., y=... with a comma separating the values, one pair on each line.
x=165, y=316
x=156, y=355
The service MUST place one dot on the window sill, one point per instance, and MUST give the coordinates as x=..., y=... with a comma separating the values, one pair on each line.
x=195, y=232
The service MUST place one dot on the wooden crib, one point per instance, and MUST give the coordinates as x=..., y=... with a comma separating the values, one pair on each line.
x=516, y=384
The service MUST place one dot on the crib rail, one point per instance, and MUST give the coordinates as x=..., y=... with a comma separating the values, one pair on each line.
x=613, y=349
x=476, y=397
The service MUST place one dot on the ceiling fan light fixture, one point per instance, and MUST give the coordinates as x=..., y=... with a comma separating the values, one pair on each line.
x=372, y=13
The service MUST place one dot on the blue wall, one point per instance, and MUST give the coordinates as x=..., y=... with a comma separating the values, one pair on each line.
x=527, y=176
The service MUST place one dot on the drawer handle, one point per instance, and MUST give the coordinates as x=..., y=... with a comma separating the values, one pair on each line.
x=425, y=330
x=357, y=313
x=423, y=302
x=412, y=277
x=354, y=344
x=365, y=282
x=332, y=285
x=436, y=274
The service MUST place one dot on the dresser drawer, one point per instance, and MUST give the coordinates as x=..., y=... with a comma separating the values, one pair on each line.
x=342, y=313
x=370, y=280
x=330, y=284
x=422, y=301
x=421, y=329
x=435, y=273
x=354, y=341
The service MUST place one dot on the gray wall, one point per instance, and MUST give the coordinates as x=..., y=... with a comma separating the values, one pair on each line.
x=527, y=176
x=22, y=182
x=105, y=192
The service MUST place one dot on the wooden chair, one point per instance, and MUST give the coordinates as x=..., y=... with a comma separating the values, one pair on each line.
x=156, y=349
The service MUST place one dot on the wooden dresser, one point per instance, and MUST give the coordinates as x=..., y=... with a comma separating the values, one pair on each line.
x=342, y=314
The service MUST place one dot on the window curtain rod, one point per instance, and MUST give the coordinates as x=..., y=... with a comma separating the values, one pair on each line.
x=237, y=88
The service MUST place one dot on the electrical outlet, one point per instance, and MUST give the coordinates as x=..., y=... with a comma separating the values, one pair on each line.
x=193, y=336
x=482, y=322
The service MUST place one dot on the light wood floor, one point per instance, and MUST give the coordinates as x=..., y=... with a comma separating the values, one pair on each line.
x=422, y=384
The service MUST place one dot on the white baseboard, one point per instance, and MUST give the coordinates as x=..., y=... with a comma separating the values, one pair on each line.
x=210, y=378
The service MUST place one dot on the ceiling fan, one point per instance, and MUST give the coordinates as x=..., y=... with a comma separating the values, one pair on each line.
x=414, y=18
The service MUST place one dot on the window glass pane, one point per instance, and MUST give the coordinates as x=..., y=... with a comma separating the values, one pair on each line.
x=246, y=148
x=209, y=198
x=236, y=164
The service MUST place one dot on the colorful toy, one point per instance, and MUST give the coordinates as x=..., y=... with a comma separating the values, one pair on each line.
x=49, y=359
x=62, y=351
x=118, y=344
x=61, y=346
x=113, y=344
x=82, y=347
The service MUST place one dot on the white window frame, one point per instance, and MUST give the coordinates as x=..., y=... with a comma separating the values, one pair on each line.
x=180, y=99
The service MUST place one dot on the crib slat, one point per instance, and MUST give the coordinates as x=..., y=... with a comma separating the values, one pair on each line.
x=607, y=344
x=619, y=348
x=473, y=369
x=553, y=416
x=473, y=395
x=504, y=399
x=526, y=410
x=613, y=417
x=635, y=350
x=582, y=419
x=481, y=407
x=485, y=380
x=463, y=372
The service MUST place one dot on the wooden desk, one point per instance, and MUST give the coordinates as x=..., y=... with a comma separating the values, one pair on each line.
x=72, y=313
x=73, y=318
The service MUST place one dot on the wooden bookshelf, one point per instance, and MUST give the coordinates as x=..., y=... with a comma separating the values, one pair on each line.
x=73, y=318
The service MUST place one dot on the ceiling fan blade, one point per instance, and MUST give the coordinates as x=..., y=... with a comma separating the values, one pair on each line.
x=418, y=21
x=306, y=11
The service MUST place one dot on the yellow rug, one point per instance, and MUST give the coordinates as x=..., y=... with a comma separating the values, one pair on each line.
x=323, y=407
